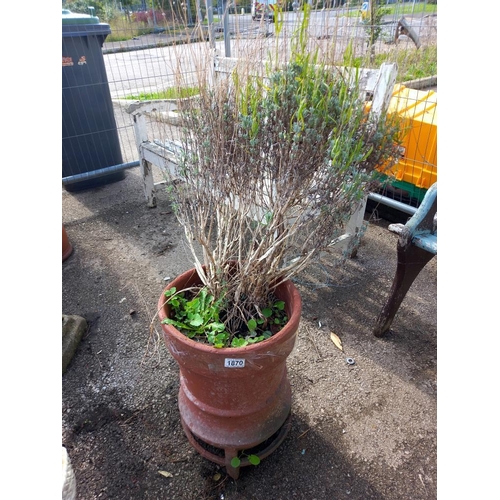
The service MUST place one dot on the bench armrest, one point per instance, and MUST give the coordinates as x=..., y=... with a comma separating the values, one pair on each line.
x=423, y=221
x=159, y=105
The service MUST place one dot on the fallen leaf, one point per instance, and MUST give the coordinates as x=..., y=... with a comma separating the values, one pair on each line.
x=217, y=476
x=165, y=473
x=336, y=340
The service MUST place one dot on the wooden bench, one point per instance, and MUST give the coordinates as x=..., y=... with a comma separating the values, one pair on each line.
x=374, y=84
x=417, y=245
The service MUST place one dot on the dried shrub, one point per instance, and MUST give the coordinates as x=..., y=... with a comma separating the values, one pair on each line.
x=276, y=158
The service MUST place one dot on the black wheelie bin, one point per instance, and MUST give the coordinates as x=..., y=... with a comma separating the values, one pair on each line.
x=90, y=141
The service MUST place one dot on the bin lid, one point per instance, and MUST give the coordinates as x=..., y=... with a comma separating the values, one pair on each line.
x=75, y=24
x=69, y=17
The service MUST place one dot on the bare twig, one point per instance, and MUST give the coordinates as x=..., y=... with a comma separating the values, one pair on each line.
x=276, y=157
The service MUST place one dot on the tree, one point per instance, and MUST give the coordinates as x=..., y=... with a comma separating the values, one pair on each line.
x=82, y=6
x=373, y=26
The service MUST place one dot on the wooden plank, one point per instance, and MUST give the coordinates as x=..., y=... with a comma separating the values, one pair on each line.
x=141, y=136
x=159, y=105
x=161, y=157
x=384, y=88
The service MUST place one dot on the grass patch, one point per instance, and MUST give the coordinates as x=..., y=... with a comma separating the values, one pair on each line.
x=397, y=9
x=409, y=8
x=412, y=64
x=169, y=93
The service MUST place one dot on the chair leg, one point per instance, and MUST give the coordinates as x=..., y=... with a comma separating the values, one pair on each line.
x=148, y=183
x=411, y=260
x=355, y=228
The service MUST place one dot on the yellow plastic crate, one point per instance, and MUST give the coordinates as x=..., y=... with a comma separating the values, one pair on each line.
x=418, y=111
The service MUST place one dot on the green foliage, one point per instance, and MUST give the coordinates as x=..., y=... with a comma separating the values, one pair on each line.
x=399, y=8
x=198, y=317
x=253, y=459
x=110, y=12
x=273, y=319
x=82, y=7
x=305, y=104
x=373, y=26
x=276, y=157
x=348, y=57
x=412, y=63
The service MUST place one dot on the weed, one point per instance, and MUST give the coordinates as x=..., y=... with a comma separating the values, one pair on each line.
x=253, y=459
x=197, y=314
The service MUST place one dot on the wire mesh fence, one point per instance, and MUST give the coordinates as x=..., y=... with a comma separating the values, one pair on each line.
x=134, y=52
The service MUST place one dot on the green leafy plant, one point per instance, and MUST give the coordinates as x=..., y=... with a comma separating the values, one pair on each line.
x=253, y=459
x=373, y=24
x=196, y=313
x=197, y=317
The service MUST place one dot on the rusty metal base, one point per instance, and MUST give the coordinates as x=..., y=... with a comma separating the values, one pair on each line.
x=223, y=456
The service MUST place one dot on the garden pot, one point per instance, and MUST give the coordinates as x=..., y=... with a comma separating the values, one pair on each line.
x=67, y=247
x=234, y=401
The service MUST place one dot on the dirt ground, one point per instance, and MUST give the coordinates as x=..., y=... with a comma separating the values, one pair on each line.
x=362, y=431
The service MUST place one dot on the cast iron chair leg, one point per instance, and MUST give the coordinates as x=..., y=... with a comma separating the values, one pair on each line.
x=411, y=260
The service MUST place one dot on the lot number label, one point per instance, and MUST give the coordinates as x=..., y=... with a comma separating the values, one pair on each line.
x=234, y=363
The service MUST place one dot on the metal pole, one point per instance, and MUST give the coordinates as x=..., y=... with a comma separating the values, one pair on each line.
x=384, y=200
x=227, y=37
x=198, y=12
x=210, y=14
x=189, y=15
x=154, y=16
x=71, y=179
